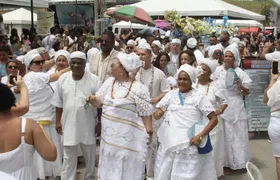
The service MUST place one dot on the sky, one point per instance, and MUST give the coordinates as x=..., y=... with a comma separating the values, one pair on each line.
x=278, y=1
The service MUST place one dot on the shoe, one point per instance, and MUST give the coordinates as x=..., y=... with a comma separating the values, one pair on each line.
x=269, y=140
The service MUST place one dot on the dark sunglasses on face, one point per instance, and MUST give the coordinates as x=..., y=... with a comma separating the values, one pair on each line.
x=12, y=67
x=39, y=62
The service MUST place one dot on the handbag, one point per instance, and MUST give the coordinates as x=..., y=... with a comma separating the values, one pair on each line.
x=205, y=146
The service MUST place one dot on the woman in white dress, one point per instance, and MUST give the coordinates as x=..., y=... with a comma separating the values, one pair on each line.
x=19, y=138
x=218, y=99
x=183, y=108
x=41, y=109
x=216, y=54
x=126, y=122
x=234, y=117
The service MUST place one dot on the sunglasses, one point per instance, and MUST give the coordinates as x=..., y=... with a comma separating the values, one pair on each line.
x=38, y=62
x=12, y=67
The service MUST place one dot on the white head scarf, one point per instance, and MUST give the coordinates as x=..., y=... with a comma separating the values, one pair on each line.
x=91, y=52
x=234, y=50
x=157, y=43
x=211, y=64
x=30, y=56
x=79, y=55
x=142, y=41
x=189, y=70
x=234, y=40
x=64, y=53
x=176, y=41
x=144, y=46
x=191, y=43
x=130, y=62
x=212, y=49
x=131, y=42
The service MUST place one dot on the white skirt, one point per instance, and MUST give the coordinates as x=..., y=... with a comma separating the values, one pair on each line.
x=48, y=168
x=274, y=135
x=186, y=164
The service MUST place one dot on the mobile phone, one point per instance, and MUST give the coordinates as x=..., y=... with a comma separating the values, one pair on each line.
x=12, y=81
x=274, y=67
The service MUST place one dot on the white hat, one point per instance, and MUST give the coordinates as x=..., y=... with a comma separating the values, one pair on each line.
x=130, y=62
x=234, y=50
x=212, y=49
x=191, y=43
x=211, y=64
x=131, y=42
x=91, y=53
x=157, y=43
x=191, y=71
x=20, y=58
x=64, y=53
x=142, y=41
x=145, y=46
x=79, y=55
x=176, y=41
x=30, y=56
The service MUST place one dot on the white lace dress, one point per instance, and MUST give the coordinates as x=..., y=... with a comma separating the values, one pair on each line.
x=237, y=151
x=176, y=158
x=217, y=97
x=123, y=138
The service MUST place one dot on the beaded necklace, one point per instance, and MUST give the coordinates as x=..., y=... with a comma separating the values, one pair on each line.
x=206, y=89
x=112, y=91
x=152, y=80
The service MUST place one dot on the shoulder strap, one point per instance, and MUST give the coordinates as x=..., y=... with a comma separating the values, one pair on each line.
x=23, y=127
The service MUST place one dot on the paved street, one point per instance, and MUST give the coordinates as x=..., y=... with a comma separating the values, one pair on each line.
x=262, y=157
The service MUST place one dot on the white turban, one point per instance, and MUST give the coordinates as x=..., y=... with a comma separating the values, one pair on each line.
x=211, y=64
x=131, y=42
x=30, y=56
x=130, y=62
x=234, y=40
x=157, y=43
x=212, y=49
x=176, y=41
x=191, y=71
x=79, y=55
x=64, y=53
x=234, y=50
x=91, y=53
x=191, y=43
x=20, y=58
x=142, y=41
x=145, y=46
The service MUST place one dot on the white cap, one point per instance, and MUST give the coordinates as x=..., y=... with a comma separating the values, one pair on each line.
x=142, y=41
x=191, y=43
x=210, y=63
x=131, y=42
x=79, y=55
x=176, y=41
x=130, y=62
x=145, y=46
x=157, y=43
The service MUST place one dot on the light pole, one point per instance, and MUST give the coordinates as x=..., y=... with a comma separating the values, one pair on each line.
x=32, y=20
x=76, y=17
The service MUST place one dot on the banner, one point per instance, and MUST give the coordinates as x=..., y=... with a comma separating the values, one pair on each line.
x=45, y=20
x=66, y=14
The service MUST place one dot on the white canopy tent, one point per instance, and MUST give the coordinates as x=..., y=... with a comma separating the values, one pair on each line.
x=203, y=8
x=241, y=23
x=27, y=3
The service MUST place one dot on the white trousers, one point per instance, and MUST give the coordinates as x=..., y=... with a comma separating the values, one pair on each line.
x=69, y=165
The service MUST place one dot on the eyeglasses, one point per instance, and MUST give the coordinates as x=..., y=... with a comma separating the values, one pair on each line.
x=38, y=62
x=12, y=67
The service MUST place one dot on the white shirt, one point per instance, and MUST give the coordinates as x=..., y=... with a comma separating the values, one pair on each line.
x=102, y=68
x=78, y=122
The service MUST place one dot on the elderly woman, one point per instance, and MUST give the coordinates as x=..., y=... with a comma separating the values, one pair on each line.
x=216, y=54
x=218, y=99
x=126, y=122
x=19, y=138
x=41, y=109
x=62, y=59
x=234, y=117
x=183, y=108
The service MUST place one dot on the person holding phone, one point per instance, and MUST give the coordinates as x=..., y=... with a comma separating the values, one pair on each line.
x=274, y=56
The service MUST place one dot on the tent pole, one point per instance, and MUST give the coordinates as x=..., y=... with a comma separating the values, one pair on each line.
x=32, y=21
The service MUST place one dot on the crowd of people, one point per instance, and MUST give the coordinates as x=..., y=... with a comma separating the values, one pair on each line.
x=163, y=107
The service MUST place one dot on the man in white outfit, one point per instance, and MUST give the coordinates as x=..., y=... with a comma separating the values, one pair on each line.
x=75, y=119
x=155, y=80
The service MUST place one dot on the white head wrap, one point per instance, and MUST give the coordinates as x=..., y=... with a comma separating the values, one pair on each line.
x=64, y=53
x=234, y=50
x=191, y=43
x=20, y=58
x=176, y=41
x=145, y=46
x=142, y=41
x=130, y=62
x=41, y=50
x=234, y=40
x=91, y=52
x=157, y=43
x=30, y=56
x=191, y=71
x=79, y=55
x=211, y=64
x=131, y=42
x=212, y=49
